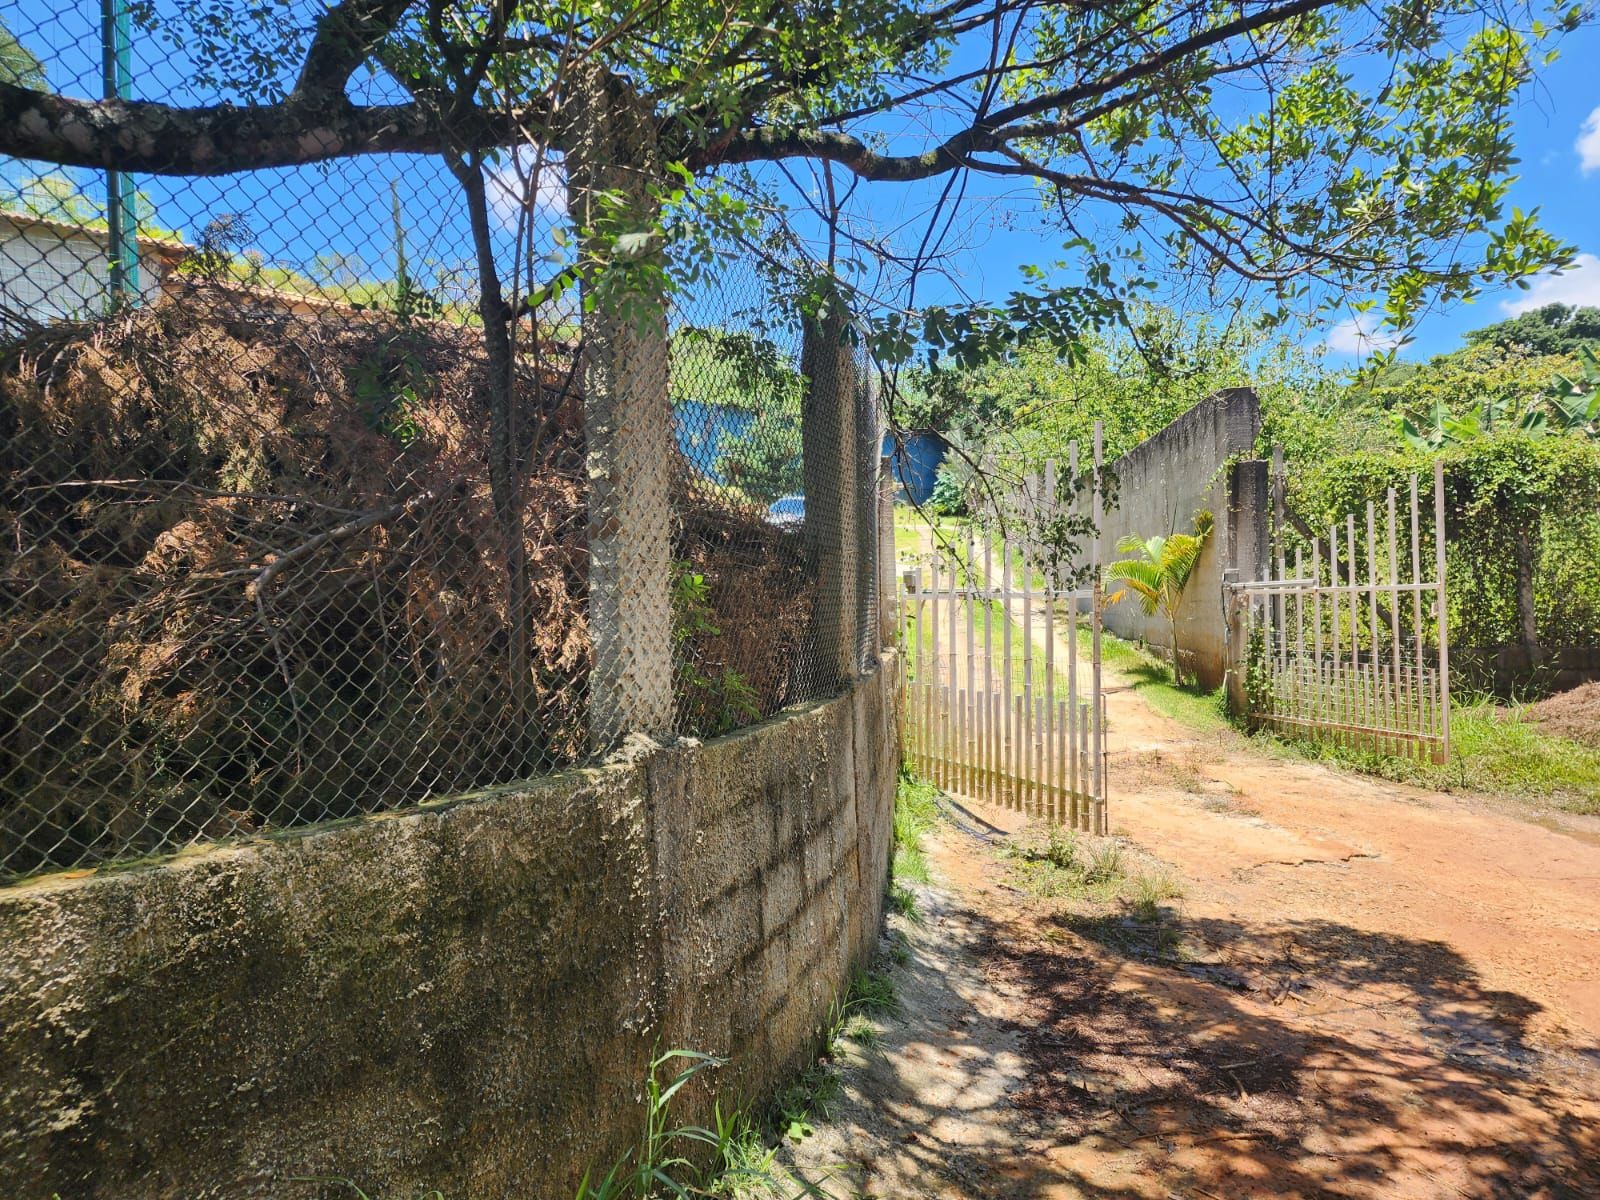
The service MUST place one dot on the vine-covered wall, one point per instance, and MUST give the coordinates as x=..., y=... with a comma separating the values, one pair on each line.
x=1523, y=528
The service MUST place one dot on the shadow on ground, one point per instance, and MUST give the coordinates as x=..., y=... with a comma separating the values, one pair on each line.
x=1053, y=1053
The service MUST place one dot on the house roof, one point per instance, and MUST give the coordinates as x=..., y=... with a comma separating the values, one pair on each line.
x=167, y=249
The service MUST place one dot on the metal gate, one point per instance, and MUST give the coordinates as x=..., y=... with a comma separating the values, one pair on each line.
x=1003, y=698
x=1328, y=654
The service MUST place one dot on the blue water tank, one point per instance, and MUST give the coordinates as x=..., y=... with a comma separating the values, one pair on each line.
x=708, y=431
x=916, y=463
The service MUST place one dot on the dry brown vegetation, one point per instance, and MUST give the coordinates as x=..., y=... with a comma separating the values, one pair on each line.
x=252, y=575
x=1574, y=714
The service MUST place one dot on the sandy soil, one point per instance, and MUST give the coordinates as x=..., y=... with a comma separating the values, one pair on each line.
x=1366, y=991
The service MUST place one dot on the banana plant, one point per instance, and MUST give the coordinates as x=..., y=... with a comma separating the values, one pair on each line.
x=1575, y=403
x=1159, y=574
x=1567, y=408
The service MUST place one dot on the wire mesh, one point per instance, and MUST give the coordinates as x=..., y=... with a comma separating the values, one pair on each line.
x=271, y=550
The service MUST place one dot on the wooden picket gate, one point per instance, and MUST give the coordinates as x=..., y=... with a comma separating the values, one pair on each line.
x=1364, y=662
x=995, y=709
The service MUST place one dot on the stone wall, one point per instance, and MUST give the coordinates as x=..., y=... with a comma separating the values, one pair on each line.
x=462, y=997
x=1195, y=464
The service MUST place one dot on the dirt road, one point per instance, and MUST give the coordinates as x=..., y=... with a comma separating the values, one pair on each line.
x=1365, y=991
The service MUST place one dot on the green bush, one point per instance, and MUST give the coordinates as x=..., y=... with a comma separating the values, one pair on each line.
x=1506, y=496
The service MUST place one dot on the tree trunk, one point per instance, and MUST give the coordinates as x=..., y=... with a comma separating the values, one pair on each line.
x=1527, y=616
x=505, y=473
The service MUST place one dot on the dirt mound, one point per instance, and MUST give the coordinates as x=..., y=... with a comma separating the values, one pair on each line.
x=253, y=573
x=1574, y=714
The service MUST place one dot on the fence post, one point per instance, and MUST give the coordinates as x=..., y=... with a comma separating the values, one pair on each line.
x=611, y=163
x=888, y=590
x=1233, y=610
x=829, y=441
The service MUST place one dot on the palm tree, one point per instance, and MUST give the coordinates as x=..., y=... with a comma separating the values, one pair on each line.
x=1160, y=574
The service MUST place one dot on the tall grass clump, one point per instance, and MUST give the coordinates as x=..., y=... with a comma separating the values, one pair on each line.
x=1493, y=750
x=916, y=811
x=740, y=1165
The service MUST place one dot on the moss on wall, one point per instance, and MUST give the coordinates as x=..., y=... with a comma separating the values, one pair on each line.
x=461, y=997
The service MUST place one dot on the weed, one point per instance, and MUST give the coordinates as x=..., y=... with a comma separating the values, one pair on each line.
x=1067, y=866
x=742, y=1153
x=1146, y=891
x=742, y=1165
x=1118, y=895
x=873, y=993
x=1104, y=862
x=916, y=812
x=656, y=1161
x=1061, y=848
x=902, y=902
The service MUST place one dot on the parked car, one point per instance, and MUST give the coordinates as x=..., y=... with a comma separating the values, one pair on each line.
x=787, y=512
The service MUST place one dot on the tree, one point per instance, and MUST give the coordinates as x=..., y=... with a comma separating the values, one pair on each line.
x=1315, y=151
x=1549, y=329
x=1568, y=405
x=1299, y=146
x=765, y=462
x=19, y=65
x=1160, y=574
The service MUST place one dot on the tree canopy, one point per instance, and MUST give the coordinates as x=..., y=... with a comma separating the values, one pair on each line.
x=1549, y=329
x=1304, y=148
x=18, y=64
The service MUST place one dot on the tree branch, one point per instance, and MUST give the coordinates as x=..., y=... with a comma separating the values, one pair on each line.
x=955, y=151
x=347, y=33
x=162, y=139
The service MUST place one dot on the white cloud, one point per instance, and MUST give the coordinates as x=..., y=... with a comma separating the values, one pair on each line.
x=525, y=177
x=1579, y=284
x=1588, y=143
x=1362, y=335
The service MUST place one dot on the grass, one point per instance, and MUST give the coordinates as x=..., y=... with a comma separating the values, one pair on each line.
x=1494, y=750
x=916, y=812
x=1151, y=678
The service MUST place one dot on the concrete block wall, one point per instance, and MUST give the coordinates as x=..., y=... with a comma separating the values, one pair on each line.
x=1194, y=465
x=462, y=997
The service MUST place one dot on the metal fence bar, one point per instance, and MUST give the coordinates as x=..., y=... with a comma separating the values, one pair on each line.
x=1010, y=731
x=1382, y=695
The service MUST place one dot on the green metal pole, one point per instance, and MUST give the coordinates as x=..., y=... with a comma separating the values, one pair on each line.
x=122, y=217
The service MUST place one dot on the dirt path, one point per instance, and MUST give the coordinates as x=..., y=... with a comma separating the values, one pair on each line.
x=1366, y=990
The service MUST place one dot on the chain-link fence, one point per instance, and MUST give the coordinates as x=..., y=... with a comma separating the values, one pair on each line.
x=299, y=519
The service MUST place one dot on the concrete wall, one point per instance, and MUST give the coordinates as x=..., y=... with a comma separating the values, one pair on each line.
x=1191, y=466
x=463, y=997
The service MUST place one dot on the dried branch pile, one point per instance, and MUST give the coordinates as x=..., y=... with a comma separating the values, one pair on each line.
x=250, y=576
